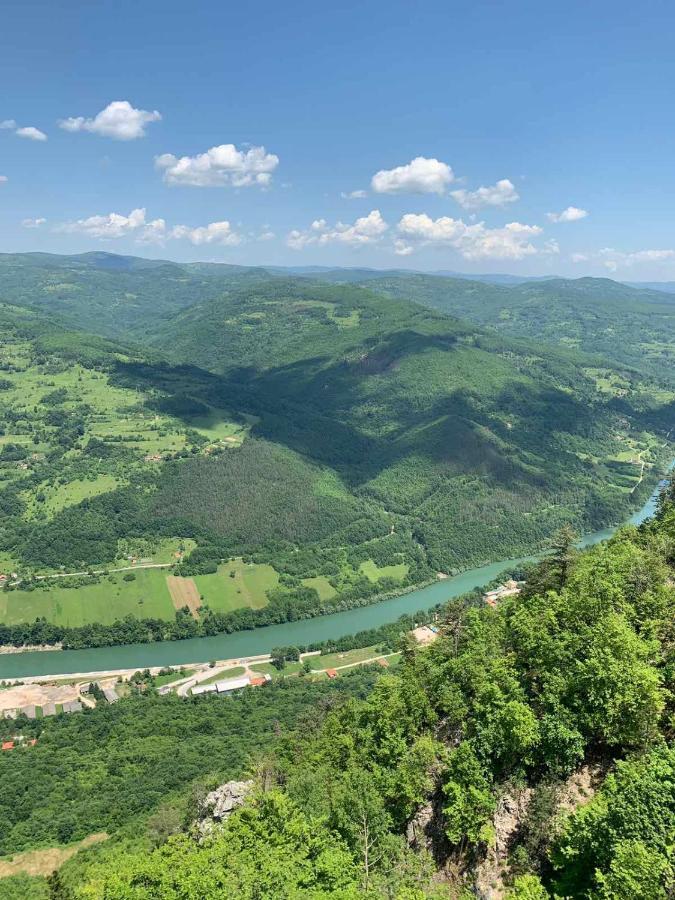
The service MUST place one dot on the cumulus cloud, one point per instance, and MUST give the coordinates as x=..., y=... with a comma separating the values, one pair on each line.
x=353, y=195
x=220, y=166
x=156, y=231
x=113, y=225
x=33, y=223
x=571, y=214
x=419, y=176
x=33, y=134
x=214, y=233
x=498, y=194
x=3, y=179
x=366, y=230
x=119, y=120
x=28, y=131
x=474, y=241
x=612, y=259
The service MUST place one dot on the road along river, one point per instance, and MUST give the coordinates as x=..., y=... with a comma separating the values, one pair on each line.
x=262, y=640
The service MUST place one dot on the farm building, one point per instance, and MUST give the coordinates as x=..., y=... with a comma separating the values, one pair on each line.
x=203, y=689
x=28, y=711
x=332, y=673
x=110, y=695
x=72, y=706
x=509, y=589
x=7, y=745
x=232, y=684
x=49, y=709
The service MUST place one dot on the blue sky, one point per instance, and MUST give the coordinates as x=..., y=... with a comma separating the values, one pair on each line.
x=561, y=113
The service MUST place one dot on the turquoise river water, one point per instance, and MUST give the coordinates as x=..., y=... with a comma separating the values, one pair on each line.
x=262, y=640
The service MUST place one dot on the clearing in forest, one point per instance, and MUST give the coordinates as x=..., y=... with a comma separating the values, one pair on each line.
x=184, y=592
x=44, y=862
x=237, y=584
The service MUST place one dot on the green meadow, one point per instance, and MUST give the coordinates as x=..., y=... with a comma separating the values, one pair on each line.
x=237, y=584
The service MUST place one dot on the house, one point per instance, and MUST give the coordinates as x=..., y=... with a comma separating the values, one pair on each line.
x=332, y=673
x=28, y=711
x=110, y=695
x=509, y=589
x=258, y=680
x=7, y=745
x=49, y=709
x=383, y=662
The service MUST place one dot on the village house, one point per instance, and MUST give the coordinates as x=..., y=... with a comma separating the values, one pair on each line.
x=509, y=589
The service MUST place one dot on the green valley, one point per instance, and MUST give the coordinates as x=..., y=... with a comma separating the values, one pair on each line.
x=344, y=443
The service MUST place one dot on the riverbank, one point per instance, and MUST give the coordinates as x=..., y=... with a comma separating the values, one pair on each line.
x=304, y=632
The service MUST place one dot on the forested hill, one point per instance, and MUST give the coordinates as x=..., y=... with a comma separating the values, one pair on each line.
x=526, y=754
x=623, y=324
x=118, y=296
x=326, y=416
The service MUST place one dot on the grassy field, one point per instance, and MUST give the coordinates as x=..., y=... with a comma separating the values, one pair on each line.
x=321, y=585
x=375, y=573
x=237, y=584
x=234, y=672
x=291, y=668
x=346, y=658
x=106, y=600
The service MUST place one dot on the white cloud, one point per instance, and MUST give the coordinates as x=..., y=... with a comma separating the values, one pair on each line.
x=156, y=231
x=3, y=179
x=473, y=241
x=113, y=225
x=33, y=223
x=420, y=176
x=33, y=134
x=214, y=233
x=498, y=194
x=366, y=230
x=571, y=214
x=29, y=131
x=353, y=195
x=220, y=166
x=612, y=259
x=119, y=120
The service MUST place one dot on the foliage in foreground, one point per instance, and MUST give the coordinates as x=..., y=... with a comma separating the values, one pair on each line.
x=579, y=668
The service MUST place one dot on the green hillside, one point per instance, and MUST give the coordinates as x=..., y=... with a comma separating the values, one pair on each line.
x=118, y=296
x=628, y=325
x=325, y=430
x=527, y=753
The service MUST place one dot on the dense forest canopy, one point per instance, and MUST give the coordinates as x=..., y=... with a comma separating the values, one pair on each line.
x=528, y=750
x=309, y=426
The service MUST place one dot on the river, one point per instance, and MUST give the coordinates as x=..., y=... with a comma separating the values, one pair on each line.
x=262, y=640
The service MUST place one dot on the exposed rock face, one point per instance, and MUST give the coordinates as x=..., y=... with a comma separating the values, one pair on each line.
x=219, y=804
x=509, y=817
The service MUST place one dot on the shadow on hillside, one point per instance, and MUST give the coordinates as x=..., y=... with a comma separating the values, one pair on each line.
x=318, y=407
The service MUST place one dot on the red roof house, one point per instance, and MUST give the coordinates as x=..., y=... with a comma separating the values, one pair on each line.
x=8, y=745
x=331, y=673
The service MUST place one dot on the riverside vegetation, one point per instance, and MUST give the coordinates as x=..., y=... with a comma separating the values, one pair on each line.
x=348, y=443
x=557, y=706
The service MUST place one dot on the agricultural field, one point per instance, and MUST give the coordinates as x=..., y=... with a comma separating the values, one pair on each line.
x=237, y=584
x=321, y=585
x=103, y=599
x=374, y=572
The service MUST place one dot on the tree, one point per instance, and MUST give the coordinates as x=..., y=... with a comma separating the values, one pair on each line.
x=469, y=802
